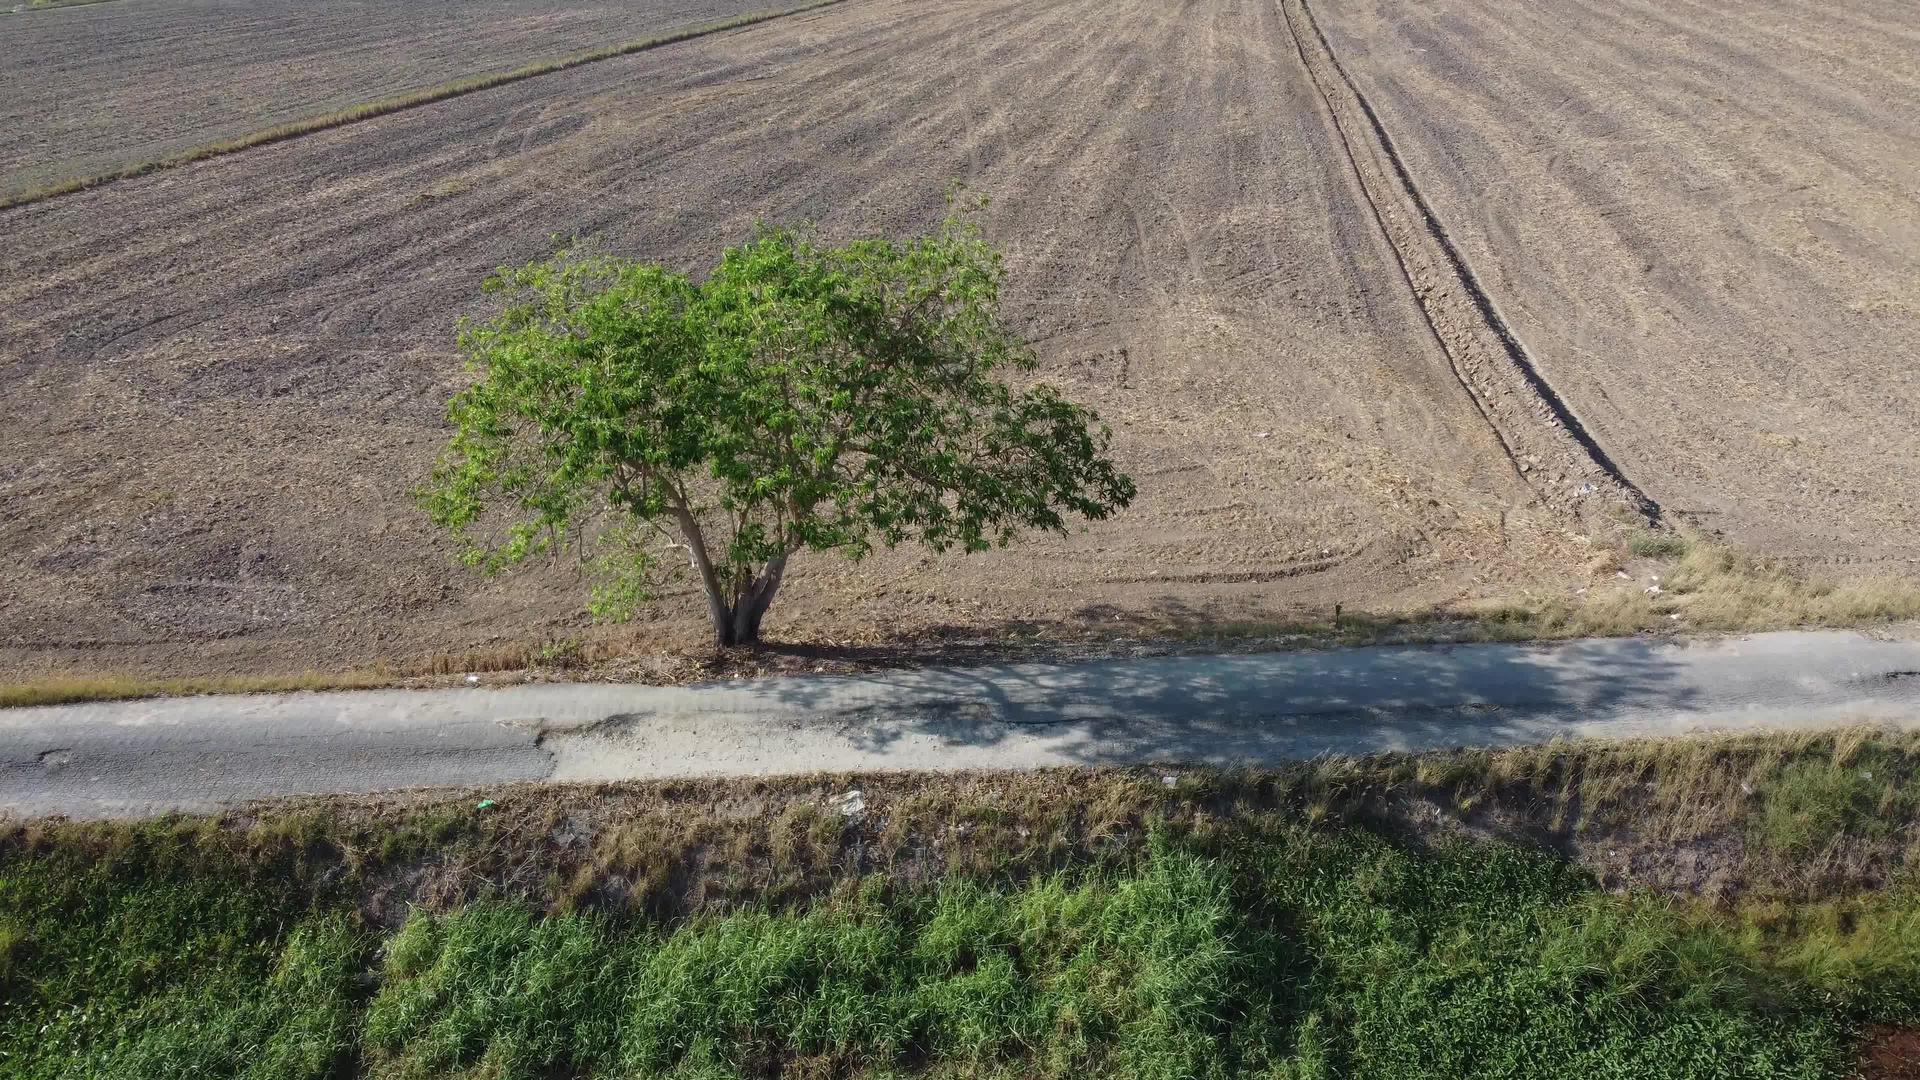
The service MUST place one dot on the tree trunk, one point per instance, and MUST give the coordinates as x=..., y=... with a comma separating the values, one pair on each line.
x=718, y=611
x=724, y=635
x=753, y=604
x=736, y=623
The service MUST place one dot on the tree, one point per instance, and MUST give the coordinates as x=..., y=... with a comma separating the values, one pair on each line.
x=803, y=396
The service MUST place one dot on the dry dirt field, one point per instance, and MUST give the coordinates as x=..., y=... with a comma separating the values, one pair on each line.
x=1685, y=263
x=87, y=89
x=1704, y=219
x=228, y=376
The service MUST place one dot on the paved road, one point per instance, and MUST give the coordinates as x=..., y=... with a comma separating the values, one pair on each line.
x=140, y=757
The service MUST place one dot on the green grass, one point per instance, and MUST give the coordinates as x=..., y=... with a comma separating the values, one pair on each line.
x=396, y=103
x=1304, y=953
x=1806, y=805
x=111, y=977
x=1649, y=544
x=1314, y=921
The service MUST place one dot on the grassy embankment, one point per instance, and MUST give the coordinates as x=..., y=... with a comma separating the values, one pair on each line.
x=1404, y=917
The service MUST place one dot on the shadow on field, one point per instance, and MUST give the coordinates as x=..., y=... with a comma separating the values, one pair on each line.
x=1167, y=626
x=1238, y=709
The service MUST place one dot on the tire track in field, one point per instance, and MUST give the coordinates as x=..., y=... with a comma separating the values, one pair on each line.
x=1548, y=443
x=1702, y=218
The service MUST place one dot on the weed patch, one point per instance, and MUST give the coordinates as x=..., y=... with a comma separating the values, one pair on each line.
x=111, y=975
x=1303, y=953
x=1648, y=544
x=1807, y=805
x=1699, y=586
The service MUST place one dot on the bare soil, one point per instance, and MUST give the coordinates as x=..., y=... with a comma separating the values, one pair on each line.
x=1891, y=1053
x=1704, y=220
x=225, y=378
x=87, y=90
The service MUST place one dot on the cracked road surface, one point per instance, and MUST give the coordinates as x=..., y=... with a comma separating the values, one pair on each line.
x=144, y=757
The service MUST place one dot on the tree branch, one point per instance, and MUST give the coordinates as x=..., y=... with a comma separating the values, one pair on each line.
x=717, y=608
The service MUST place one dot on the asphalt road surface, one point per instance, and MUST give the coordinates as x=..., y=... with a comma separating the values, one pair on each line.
x=144, y=757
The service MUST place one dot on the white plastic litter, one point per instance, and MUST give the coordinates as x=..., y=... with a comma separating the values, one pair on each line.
x=852, y=804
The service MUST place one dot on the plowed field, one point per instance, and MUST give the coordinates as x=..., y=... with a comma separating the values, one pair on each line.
x=1704, y=220
x=85, y=90
x=234, y=372
x=1380, y=320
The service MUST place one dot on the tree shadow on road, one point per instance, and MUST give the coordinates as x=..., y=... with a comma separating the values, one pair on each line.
x=1253, y=708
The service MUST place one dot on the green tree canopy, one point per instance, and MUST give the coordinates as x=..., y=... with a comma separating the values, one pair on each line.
x=803, y=396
